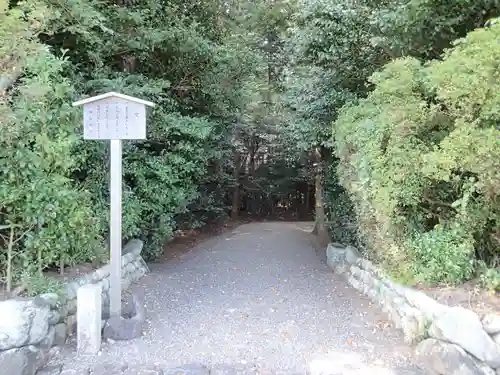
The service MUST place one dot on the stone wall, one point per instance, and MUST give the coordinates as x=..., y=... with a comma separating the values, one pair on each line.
x=448, y=340
x=30, y=327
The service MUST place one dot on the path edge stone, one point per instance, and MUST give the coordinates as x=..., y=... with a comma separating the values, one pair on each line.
x=454, y=338
x=32, y=328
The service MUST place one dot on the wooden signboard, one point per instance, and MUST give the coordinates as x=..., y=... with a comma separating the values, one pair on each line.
x=114, y=117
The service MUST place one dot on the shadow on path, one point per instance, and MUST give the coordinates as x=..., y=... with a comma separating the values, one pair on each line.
x=260, y=294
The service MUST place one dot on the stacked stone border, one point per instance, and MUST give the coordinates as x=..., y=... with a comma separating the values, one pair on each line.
x=448, y=340
x=32, y=328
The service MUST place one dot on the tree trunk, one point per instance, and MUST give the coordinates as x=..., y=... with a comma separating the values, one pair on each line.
x=320, y=227
x=235, y=210
x=252, y=194
x=307, y=198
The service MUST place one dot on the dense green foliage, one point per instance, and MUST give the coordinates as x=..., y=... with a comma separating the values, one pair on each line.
x=54, y=187
x=246, y=94
x=421, y=154
x=417, y=143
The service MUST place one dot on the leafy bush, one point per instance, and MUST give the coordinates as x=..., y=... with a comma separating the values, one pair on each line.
x=341, y=217
x=53, y=185
x=421, y=158
x=36, y=193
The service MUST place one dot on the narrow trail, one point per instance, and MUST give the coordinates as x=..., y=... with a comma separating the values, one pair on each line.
x=261, y=294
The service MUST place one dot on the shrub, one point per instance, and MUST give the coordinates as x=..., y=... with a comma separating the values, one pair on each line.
x=420, y=157
x=52, y=217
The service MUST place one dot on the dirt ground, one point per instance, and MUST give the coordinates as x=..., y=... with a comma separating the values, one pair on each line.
x=468, y=295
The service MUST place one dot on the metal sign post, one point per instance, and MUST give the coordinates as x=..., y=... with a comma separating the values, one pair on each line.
x=114, y=117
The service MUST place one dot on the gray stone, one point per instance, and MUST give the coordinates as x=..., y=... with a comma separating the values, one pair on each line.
x=43, y=355
x=366, y=277
x=51, y=299
x=105, y=301
x=356, y=271
x=50, y=370
x=387, y=284
x=354, y=283
x=369, y=267
x=399, y=302
x=352, y=255
x=402, y=290
x=22, y=361
x=72, y=306
x=365, y=288
x=71, y=290
x=142, y=270
x=430, y=307
x=54, y=317
x=335, y=256
x=129, y=257
x=60, y=334
x=130, y=268
x=463, y=327
x=85, y=280
x=338, y=245
x=413, y=323
x=491, y=323
x=393, y=315
x=125, y=283
x=53, y=352
x=340, y=269
x=128, y=307
x=95, y=278
x=105, y=284
x=63, y=311
x=189, y=369
x=133, y=246
x=48, y=341
x=442, y=358
x=119, y=328
x=412, y=331
x=23, y=323
x=71, y=323
x=102, y=273
x=379, y=287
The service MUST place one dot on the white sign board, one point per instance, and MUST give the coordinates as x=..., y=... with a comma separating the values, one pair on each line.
x=114, y=117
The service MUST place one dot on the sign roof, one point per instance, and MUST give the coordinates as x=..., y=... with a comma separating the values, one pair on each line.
x=109, y=95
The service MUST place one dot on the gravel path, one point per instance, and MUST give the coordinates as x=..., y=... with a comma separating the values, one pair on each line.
x=261, y=294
